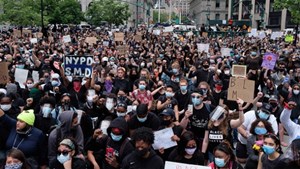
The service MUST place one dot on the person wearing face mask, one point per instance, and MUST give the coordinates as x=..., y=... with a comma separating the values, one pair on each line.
x=253, y=61
x=183, y=96
x=120, y=82
x=202, y=74
x=25, y=137
x=295, y=97
x=144, y=73
x=280, y=74
x=271, y=154
x=65, y=105
x=141, y=94
x=115, y=144
x=143, y=156
x=54, y=87
x=122, y=111
x=66, y=155
x=224, y=157
x=143, y=118
x=258, y=129
x=187, y=150
x=216, y=92
x=15, y=159
x=8, y=108
x=168, y=101
x=29, y=85
x=68, y=126
x=263, y=113
x=167, y=117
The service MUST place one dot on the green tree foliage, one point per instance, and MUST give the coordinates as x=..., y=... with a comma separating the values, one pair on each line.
x=20, y=12
x=292, y=6
x=111, y=11
x=164, y=17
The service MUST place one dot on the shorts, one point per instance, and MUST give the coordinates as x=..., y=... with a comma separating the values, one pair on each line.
x=241, y=150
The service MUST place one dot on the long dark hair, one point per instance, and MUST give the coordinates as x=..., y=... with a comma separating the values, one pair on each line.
x=276, y=140
x=184, y=139
x=226, y=148
x=18, y=154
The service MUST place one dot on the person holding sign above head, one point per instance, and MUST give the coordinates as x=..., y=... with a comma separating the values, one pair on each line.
x=187, y=150
x=224, y=157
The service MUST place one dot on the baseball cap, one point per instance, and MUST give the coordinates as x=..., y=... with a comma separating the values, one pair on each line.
x=68, y=142
x=122, y=104
x=168, y=112
x=273, y=98
x=27, y=116
x=142, y=109
x=266, y=107
x=199, y=91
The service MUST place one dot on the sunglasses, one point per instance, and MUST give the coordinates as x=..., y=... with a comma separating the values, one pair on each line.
x=198, y=97
x=65, y=152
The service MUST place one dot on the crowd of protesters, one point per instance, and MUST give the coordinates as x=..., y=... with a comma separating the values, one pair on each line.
x=107, y=120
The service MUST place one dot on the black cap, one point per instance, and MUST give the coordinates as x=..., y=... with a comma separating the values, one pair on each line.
x=142, y=109
x=122, y=104
x=199, y=91
x=168, y=112
x=266, y=107
x=273, y=98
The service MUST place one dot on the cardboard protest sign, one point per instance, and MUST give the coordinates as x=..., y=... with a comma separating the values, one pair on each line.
x=203, y=47
x=205, y=34
x=119, y=36
x=174, y=165
x=3, y=73
x=91, y=40
x=17, y=33
x=66, y=38
x=225, y=51
x=21, y=76
x=239, y=70
x=27, y=32
x=138, y=37
x=78, y=65
x=241, y=88
x=269, y=61
x=121, y=49
x=51, y=38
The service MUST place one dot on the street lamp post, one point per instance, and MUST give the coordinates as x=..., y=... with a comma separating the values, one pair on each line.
x=42, y=18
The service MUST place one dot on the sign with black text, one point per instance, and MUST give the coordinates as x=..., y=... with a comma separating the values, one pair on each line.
x=78, y=65
x=241, y=88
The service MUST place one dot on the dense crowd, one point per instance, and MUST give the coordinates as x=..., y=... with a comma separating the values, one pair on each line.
x=108, y=119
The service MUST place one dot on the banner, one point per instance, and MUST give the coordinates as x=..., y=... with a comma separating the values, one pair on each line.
x=174, y=165
x=269, y=61
x=78, y=65
x=241, y=88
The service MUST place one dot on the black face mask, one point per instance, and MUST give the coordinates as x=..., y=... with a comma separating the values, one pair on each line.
x=274, y=105
x=141, y=153
x=206, y=66
x=166, y=122
x=122, y=98
x=104, y=64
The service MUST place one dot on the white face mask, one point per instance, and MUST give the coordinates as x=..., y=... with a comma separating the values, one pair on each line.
x=5, y=107
x=30, y=86
x=190, y=151
x=134, y=107
x=227, y=72
x=109, y=105
x=121, y=114
x=296, y=92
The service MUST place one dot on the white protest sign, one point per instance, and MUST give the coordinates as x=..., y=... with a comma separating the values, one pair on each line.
x=203, y=47
x=190, y=33
x=163, y=139
x=66, y=38
x=253, y=32
x=33, y=40
x=261, y=35
x=275, y=35
x=78, y=65
x=104, y=125
x=217, y=112
x=35, y=76
x=174, y=165
x=225, y=51
x=21, y=76
x=224, y=22
x=156, y=32
x=105, y=43
x=168, y=29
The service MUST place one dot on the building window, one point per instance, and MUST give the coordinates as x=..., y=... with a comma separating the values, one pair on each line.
x=217, y=3
x=274, y=21
x=217, y=16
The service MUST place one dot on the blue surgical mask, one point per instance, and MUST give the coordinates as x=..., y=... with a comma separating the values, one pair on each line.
x=260, y=130
x=196, y=101
x=253, y=53
x=175, y=71
x=13, y=166
x=20, y=66
x=46, y=111
x=263, y=115
x=268, y=149
x=142, y=87
x=161, y=55
x=220, y=162
x=116, y=137
x=142, y=120
x=54, y=83
x=62, y=159
x=183, y=88
x=169, y=94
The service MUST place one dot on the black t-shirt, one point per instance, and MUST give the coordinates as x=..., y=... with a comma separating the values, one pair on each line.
x=152, y=122
x=197, y=159
x=183, y=99
x=77, y=98
x=163, y=99
x=216, y=136
x=216, y=97
x=199, y=120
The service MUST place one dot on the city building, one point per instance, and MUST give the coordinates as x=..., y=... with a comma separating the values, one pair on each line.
x=260, y=13
x=139, y=9
x=202, y=11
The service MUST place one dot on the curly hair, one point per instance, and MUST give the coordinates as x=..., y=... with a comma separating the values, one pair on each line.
x=145, y=134
x=267, y=125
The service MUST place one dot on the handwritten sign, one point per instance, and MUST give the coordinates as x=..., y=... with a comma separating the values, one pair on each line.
x=91, y=40
x=33, y=40
x=119, y=36
x=269, y=61
x=239, y=70
x=163, y=139
x=241, y=88
x=21, y=76
x=3, y=72
x=17, y=33
x=66, y=38
x=174, y=165
x=156, y=32
x=78, y=65
x=121, y=49
x=203, y=47
x=275, y=35
x=138, y=37
x=225, y=51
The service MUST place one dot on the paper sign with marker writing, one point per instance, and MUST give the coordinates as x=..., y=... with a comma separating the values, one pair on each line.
x=163, y=139
x=203, y=47
x=226, y=51
x=91, y=40
x=121, y=49
x=156, y=32
x=66, y=38
x=275, y=35
x=3, y=73
x=239, y=70
x=174, y=165
x=269, y=61
x=21, y=76
x=241, y=88
x=33, y=40
x=119, y=36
